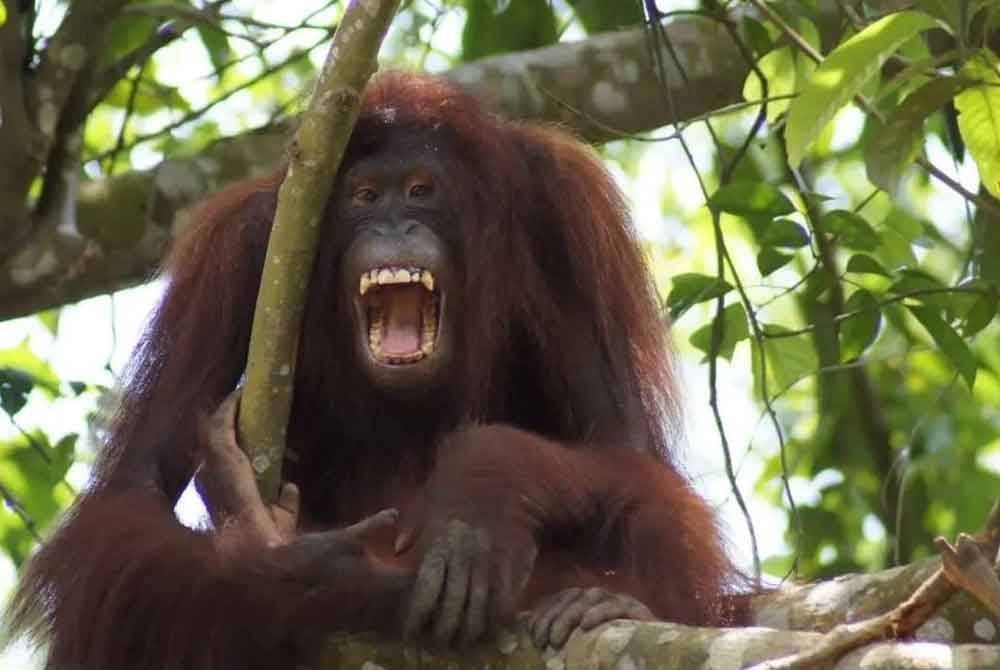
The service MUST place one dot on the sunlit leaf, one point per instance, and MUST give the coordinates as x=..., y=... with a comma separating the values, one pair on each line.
x=893, y=147
x=842, y=75
x=3, y=13
x=860, y=331
x=751, y=199
x=50, y=319
x=979, y=117
x=734, y=330
x=949, y=342
x=24, y=359
x=691, y=288
x=789, y=359
x=778, y=67
x=851, y=229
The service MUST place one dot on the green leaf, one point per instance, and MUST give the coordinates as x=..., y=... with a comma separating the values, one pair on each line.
x=770, y=259
x=983, y=310
x=951, y=344
x=493, y=27
x=778, y=67
x=892, y=148
x=865, y=264
x=3, y=13
x=861, y=330
x=601, y=15
x=50, y=319
x=24, y=359
x=979, y=117
x=751, y=198
x=789, y=359
x=851, y=229
x=15, y=385
x=734, y=331
x=843, y=74
x=691, y=288
x=216, y=43
x=785, y=233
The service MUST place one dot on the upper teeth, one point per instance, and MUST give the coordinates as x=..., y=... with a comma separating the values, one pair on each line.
x=393, y=275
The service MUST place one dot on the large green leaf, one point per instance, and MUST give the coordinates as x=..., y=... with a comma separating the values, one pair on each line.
x=757, y=198
x=843, y=74
x=950, y=343
x=894, y=146
x=494, y=27
x=790, y=358
x=979, y=117
x=778, y=67
x=691, y=288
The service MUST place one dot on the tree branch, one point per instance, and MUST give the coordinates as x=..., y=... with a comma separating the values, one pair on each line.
x=123, y=224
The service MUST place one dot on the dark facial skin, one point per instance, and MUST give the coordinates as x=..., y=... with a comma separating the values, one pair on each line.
x=398, y=272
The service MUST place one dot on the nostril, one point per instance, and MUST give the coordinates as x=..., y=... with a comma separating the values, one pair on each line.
x=409, y=227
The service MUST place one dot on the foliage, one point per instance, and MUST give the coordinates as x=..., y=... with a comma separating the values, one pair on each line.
x=845, y=263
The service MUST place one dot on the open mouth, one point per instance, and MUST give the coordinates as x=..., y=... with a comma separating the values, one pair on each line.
x=402, y=313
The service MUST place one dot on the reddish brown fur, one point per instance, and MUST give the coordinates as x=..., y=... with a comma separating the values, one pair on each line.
x=567, y=344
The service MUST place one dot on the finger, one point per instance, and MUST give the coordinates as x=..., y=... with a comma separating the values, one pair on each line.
x=461, y=551
x=477, y=610
x=377, y=521
x=569, y=618
x=285, y=512
x=219, y=431
x=542, y=623
x=404, y=540
x=621, y=607
x=514, y=574
x=427, y=589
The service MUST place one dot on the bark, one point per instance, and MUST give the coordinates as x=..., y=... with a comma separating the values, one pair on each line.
x=792, y=619
x=664, y=646
x=318, y=149
x=599, y=87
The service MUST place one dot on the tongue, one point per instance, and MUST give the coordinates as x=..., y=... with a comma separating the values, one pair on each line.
x=401, y=320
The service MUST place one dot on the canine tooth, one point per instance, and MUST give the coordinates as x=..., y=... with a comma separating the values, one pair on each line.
x=427, y=279
x=385, y=276
x=415, y=276
x=366, y=283
x=402, y=276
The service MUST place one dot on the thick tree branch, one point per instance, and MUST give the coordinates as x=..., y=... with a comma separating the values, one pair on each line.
x=21, y=144
x=124, y=224
x=627, y=644
x=69, y=53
